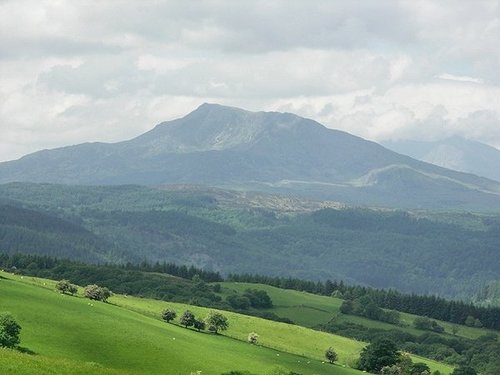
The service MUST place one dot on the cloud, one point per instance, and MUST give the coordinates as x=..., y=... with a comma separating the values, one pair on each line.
x=72, y=72
x=452, y=77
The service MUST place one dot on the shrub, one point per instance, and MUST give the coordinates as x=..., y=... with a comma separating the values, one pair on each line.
x=64, y=286
x=252, y=338
x=97, y=293
x=330, y=355
x=9, y=330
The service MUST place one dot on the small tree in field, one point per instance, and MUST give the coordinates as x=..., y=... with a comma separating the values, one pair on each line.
x=252, y=338
x=9, y=331
x=168, y=315
x=216, y=322
x=199, y=325
x=330, y=355
x=187, y=319
x=65, y=287
x=97, y=293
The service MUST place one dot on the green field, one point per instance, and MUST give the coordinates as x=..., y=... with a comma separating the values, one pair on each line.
x=309, y=310
x=77, y=336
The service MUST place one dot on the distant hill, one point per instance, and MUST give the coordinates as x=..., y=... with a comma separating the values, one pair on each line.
x=264, y=151
x=452, y=255
x=455, y=153
x=34, y=232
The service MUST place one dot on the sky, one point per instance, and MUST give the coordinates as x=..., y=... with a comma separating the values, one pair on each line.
x=85, y=71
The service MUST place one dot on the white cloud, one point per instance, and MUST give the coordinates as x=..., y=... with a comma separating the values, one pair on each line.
x=452, y=77
x=72, y=72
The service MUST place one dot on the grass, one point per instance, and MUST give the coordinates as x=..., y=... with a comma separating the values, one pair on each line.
x=309, y=310
x=127, y=337
x=12, y=363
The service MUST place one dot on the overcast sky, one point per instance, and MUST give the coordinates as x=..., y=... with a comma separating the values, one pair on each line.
x=79, y=71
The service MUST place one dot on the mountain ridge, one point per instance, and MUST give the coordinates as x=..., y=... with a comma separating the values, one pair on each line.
x=230, y=147
x=456, y=153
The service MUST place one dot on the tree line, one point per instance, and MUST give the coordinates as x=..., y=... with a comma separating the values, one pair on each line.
x=457, y=312
x=431, y=306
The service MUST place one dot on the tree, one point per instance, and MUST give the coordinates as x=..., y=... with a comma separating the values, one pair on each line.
x=216, y=322
x=199, y=325
x=469, y=321
x=252, y=338
x=97, y=293
x=477, y=323
x=258, y=298
x=391, y=370
x=187, y=319
x=73, y=289
x=419, y=368
x=347, y=307
x=330, y=355
x=464, y=370
x=64, y=286
x=380, y=353
x=9, y=331
x=168, y=315
x=405, y=363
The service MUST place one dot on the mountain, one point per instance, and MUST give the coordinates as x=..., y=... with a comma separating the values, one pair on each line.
x=454, y=153
x=264, y=151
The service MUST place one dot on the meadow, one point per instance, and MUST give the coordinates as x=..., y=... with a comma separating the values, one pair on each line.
x=127, y=336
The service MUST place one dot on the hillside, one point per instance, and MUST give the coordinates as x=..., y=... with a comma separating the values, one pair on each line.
x=128, y=334
x=454, y=153
x=119, y=338
x=265, y=151
x=452, y=255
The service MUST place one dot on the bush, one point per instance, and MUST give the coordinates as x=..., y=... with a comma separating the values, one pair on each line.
x=252, y=338
x=9, y=331
x=330, y=355
x=424, y=323
x=65, y=287
x=97, y=293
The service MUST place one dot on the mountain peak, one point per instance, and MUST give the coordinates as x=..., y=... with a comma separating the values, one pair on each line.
x=271, y=151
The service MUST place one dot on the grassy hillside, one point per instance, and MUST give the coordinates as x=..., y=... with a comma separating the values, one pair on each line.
x=310, y=310
x=115, y=336
x=13, y=363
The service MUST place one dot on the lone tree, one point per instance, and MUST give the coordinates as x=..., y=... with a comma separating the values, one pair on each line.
x=65, y=287
x=168, y=315
x=9, y=331
x=199, y=325
x=187, y=319
x=378, y=354
x=97, y=293
x=330, y=355
x=252, y=338
x=216, y=322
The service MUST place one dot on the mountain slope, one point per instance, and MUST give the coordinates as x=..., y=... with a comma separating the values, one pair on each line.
x=455, y=153
x=279, y=152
